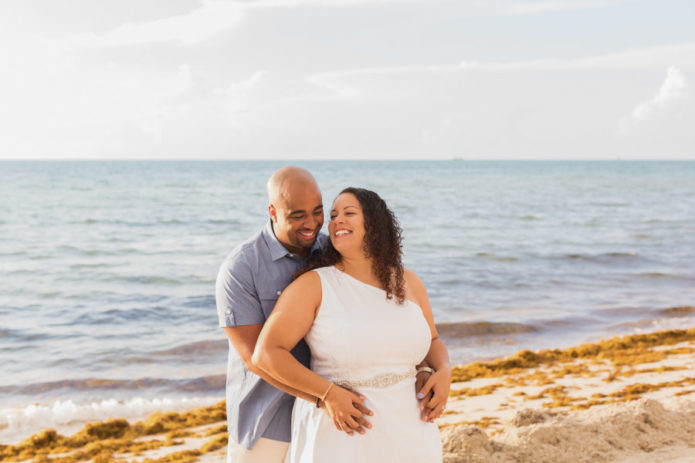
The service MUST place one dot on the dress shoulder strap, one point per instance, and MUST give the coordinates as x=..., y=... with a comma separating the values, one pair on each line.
x=327, y=276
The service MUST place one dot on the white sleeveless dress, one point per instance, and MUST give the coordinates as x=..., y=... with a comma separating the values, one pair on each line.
x=373, y=343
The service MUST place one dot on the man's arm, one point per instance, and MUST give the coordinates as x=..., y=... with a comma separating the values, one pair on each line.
x=244, y=339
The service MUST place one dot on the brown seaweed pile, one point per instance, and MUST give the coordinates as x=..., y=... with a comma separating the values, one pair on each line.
x=615, y=358
x=113, y=440
x=620, y=351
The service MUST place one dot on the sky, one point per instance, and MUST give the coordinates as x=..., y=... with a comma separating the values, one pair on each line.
x=347, y=79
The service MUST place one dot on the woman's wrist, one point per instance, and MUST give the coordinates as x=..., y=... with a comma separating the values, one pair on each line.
x=443, y=370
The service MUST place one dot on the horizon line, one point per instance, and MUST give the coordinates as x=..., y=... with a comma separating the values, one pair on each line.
x=456, y=159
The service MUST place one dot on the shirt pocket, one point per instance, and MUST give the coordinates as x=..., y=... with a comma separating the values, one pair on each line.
x=268, y=299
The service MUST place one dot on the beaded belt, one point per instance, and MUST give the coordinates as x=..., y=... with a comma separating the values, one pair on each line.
x=385, y=380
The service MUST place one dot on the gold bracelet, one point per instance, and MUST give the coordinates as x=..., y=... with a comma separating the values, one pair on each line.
x=323, y=397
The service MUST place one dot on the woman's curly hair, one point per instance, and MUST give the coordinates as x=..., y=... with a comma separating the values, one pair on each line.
x=382, y=243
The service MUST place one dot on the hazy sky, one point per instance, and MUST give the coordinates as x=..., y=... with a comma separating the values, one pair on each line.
x=328, y=79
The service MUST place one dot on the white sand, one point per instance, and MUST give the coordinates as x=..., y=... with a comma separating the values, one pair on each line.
x=659, y=427
x=640, y=431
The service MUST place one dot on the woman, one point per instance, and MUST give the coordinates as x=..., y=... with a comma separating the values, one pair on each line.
x=368, y=323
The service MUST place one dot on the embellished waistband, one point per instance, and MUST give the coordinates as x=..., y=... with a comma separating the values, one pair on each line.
x=383, y=380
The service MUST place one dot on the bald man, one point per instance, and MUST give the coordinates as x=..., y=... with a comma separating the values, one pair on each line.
x=248, y=284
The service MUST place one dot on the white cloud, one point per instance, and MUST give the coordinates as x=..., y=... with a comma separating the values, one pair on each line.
x=380, y=83
x=645, y=58
x=237, y=89
x=672, y=89
x=239, y=94
x=532, y=7
x=256, y=79
x=199, y=25
x=470, y=7
x=152, y=115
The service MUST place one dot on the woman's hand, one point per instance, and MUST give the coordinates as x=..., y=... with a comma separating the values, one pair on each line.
x=420, y=380
x=347, y=410
x=435, y=394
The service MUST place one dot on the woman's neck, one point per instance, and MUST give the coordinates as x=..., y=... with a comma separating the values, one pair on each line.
x=360, y=268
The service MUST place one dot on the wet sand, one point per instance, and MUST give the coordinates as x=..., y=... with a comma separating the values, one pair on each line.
x=625, y=400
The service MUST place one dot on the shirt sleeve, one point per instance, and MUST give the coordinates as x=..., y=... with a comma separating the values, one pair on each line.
x=235, y=295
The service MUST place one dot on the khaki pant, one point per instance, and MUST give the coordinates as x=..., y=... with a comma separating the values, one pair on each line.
x=265, y=451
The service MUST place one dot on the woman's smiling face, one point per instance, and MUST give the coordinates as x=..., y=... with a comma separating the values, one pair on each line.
x=346, y=228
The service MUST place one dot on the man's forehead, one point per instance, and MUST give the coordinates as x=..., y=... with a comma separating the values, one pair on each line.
x=300, y=192
x=298, y=204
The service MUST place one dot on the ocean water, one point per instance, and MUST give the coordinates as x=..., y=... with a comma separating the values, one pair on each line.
x=108, y=268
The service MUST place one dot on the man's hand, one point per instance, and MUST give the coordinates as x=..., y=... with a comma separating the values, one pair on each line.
x=361, y=420
x=347, y=410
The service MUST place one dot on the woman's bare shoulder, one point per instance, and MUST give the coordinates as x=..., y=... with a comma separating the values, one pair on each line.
x=412, y=278
x=414, y=285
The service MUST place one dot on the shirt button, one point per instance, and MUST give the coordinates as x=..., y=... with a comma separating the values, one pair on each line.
x=228, y=312
x=290, y=254
x=279, y=292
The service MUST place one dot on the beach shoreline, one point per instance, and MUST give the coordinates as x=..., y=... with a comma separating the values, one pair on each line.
x=628, y=399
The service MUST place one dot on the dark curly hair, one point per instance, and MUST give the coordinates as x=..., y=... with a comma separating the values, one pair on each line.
x=382, y=243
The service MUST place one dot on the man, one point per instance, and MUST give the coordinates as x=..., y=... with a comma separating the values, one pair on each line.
x=249, y=283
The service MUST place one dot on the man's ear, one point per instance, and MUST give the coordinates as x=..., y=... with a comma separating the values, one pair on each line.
x=273, y=213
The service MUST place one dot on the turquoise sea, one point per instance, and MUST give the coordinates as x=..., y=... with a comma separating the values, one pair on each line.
x=108, y=268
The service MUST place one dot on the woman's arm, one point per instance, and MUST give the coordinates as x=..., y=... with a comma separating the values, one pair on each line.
x=289, y=322
x=437, y=356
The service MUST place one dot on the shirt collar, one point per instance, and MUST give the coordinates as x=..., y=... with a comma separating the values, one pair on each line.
x=277, y=250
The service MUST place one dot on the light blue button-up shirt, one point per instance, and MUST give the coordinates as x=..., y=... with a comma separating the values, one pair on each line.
x=249, y=283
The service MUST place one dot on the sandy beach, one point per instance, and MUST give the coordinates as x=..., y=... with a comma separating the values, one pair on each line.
x=626, y=400
x=622, y=400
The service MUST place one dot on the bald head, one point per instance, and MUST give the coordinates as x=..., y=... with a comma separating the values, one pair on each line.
x=289, y=178
x=295, y=209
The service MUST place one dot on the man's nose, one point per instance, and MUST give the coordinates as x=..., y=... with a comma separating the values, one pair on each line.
x=310, y=222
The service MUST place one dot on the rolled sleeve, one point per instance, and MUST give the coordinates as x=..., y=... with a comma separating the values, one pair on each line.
x=237, y=304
